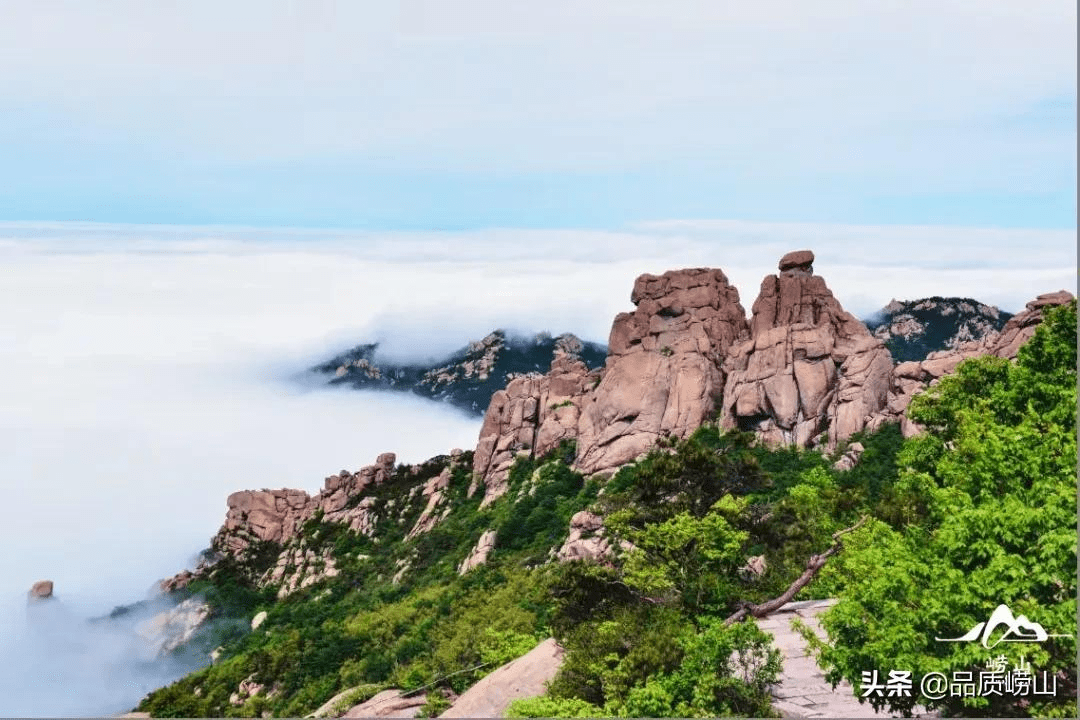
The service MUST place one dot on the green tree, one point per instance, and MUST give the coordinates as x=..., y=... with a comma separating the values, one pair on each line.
x=989, y=503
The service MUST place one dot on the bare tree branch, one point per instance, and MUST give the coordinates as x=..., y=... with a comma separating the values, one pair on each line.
x=813, y=565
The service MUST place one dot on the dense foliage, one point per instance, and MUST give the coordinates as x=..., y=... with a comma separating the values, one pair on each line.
x=978, y=511
x=985, y=515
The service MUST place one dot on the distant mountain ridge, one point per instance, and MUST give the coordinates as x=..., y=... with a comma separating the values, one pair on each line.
x=468, y=377
x=915, y=328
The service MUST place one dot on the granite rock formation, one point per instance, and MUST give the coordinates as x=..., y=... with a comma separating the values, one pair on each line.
x=532, y=415
x=277, y=515
x=388, y=704
x=910, y=378
x=664, y=366
x=41, y=590
x=168, y=630
x=586, y=540
x=809, y=372
x=480, y=552
x=661, y=379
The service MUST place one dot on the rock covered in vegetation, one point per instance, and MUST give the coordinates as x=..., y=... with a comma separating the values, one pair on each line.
x=586, y=540
x=808, y=366
x=467, y=378
x=912, y=377
x=435, y=493
x=479, y=554
x=532, y=416
x=914, y=329
x=263, y=534
x=168, y=630
x=298, y=568
x=850, y=458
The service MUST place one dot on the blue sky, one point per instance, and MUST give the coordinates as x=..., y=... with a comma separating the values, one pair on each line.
x=425, y=115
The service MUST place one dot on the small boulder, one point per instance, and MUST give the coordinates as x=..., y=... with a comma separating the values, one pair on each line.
x=258, y=620
x=41, y=590
x=797, y=260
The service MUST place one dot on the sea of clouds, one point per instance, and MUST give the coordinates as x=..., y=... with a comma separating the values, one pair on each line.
x=147, y=372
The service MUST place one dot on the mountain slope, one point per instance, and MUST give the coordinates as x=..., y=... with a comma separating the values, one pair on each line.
x=913, y=329
x=467, y=378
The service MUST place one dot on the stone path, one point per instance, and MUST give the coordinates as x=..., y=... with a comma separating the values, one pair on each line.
x=803, y=692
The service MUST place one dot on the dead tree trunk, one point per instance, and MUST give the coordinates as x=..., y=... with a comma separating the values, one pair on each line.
x=813, y=565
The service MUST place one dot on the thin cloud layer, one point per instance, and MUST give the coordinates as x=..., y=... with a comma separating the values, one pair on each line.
x=423, y=114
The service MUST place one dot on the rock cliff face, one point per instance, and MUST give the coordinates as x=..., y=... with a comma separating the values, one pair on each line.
x=662, y=376
x=809, y=371
x=532, y=415
x=910, y=378
x=277, y=515
x=802, y=372
x=663, y=369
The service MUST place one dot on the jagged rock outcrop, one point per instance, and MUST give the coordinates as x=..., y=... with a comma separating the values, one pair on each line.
x=277, y=515
x=41, y=590
x=662, y=374
x=910, y=378
x=479, y=554
x=664, y=366
x=1019, y=329
x=179, y=581
x=532, y=415
x=586, y=540
x=808, y=368
x=248, y=688
x=261, y=516
x=850, y=458
x=168, y=630
x=913, y=329
x=434, y=492
x=299, y=568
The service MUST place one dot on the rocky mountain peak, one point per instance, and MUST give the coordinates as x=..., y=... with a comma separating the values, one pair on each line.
x=913, y=329
x=467, y=378
x=661, y=378
x=912, y=377
x=664, y=365
x=810, y=371
x=799, y=261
